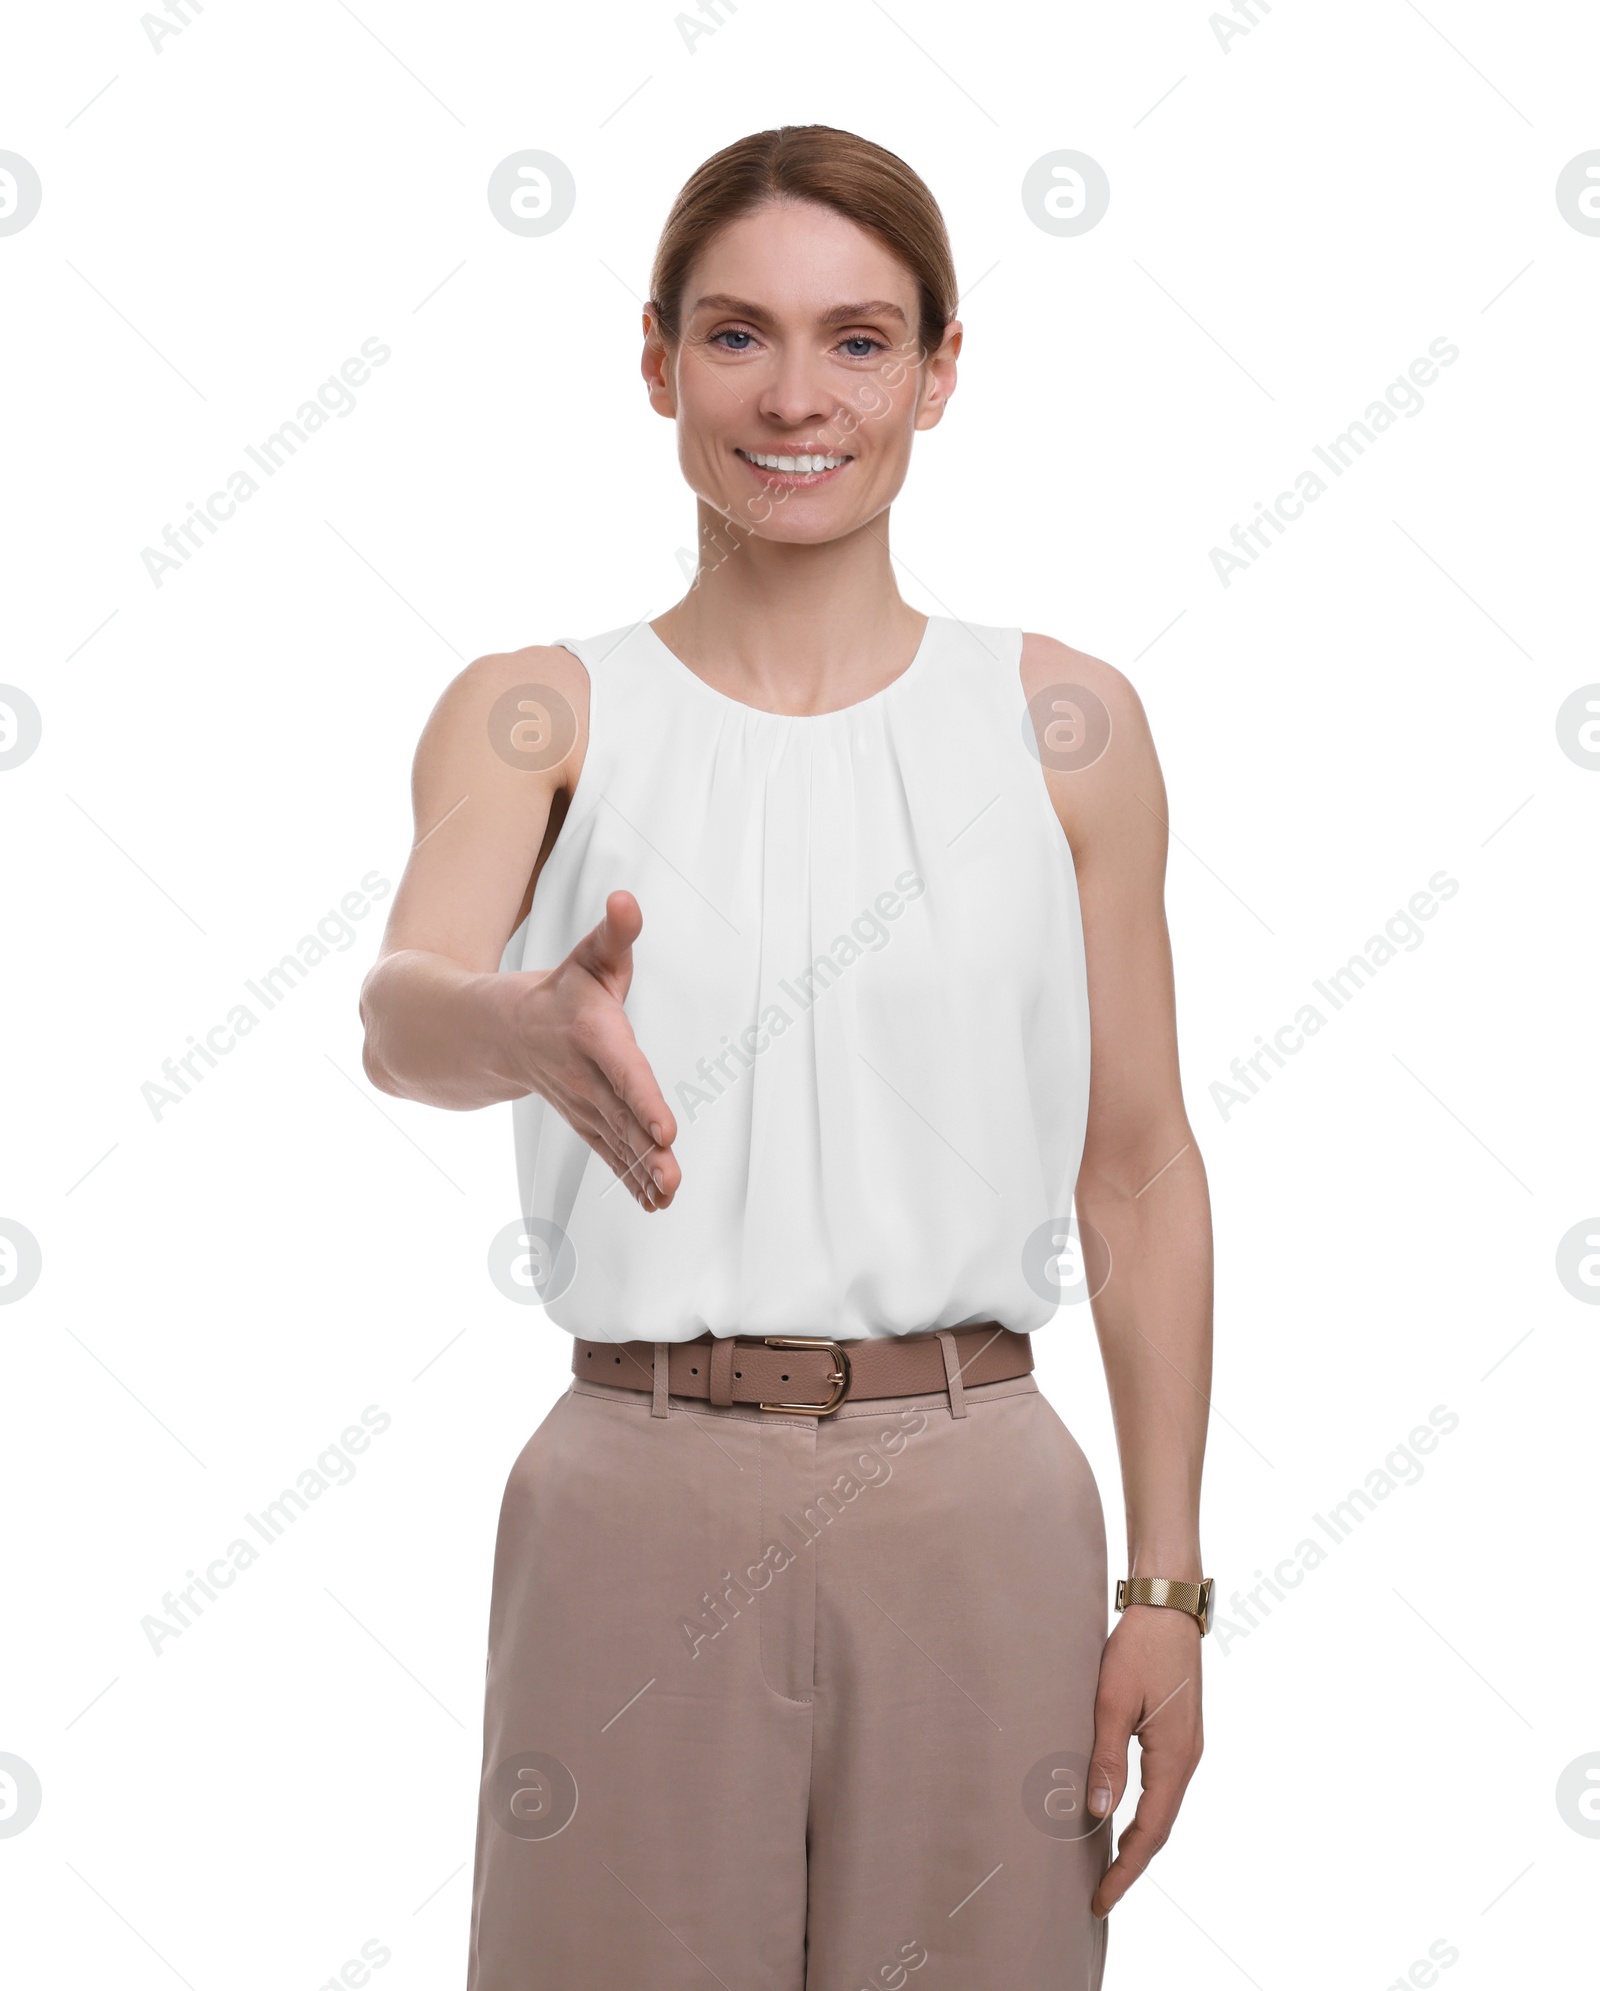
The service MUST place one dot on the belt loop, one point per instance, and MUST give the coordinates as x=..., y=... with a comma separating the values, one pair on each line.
x=658, y=1402
x=722, y=1371
x=952, y=1374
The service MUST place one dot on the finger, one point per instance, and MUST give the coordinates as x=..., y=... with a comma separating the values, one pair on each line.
x=622, y=1166
x=606, y=951
x=652, y=1174
x=640, y=1176
x=603, y=1051
x=603, y=1068
x=585, y=1118
x=1151, y=1827
x=620, y=1076
x=650, y=1168
x=635, y=1086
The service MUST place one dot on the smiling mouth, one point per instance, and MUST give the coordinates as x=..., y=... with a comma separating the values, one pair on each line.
x=800, y=467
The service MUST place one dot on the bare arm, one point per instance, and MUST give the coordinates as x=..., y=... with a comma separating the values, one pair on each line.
x=443, y=1025
x=1142, y=1188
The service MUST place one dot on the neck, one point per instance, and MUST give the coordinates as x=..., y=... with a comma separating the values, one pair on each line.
x=789, y=627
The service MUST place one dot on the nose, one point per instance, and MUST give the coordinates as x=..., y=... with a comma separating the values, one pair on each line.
x=795, y=393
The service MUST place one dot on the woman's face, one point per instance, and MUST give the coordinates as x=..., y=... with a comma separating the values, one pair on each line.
x=799, y=348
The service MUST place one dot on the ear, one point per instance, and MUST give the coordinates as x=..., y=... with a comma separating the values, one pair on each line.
x=939, y=377
x=655, y=363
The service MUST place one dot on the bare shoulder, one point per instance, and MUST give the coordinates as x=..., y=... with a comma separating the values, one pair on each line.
x=1095, y=745
x=536, y=667
x=1047, y=662
x=534, y=702
x=504, y=741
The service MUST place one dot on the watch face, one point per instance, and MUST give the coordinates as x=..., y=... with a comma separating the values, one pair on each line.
x=1205, y=1604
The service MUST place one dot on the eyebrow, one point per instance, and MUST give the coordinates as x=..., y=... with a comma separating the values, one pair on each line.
x=841, y=314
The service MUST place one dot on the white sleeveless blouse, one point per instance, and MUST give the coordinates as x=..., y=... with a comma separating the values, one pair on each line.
x=860, y=986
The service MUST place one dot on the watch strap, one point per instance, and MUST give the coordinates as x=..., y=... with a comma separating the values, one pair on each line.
x=1193, y=1598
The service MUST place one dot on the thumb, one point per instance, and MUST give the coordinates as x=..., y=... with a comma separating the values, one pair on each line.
x=606, y=951
x=1108, y=1766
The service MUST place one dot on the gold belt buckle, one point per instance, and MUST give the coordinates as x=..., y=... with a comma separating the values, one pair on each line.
x=840, y=1378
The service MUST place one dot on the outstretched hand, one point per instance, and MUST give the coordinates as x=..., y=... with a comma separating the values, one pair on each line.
x=585, y=1060
x=1149, y=1687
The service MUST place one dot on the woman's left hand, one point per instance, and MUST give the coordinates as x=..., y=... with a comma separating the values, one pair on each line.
x=1149, y=1687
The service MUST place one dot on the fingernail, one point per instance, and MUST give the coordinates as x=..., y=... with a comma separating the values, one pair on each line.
x=655, y=1131
x=655, y=1177
x=1100, y=1800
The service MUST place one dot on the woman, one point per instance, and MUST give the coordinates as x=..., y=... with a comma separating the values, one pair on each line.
x=798, y=1671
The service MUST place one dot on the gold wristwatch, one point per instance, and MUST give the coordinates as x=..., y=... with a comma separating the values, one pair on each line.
x=1195, y=1598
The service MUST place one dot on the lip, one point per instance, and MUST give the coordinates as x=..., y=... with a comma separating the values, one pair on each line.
x=792, y=480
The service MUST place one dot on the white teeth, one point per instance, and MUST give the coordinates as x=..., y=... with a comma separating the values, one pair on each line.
x=804, y=466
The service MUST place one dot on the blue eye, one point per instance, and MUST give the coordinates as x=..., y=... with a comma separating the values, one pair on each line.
x=861, y=339
x=716, y=337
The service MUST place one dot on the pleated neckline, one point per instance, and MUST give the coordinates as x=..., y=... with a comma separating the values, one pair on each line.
x=884, y=692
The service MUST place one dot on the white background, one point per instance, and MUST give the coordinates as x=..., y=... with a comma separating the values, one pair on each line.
x=1293, y=220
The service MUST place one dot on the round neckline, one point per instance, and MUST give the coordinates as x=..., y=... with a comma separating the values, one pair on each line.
x=798, y=718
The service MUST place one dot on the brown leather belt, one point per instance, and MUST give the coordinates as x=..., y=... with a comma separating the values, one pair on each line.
x=807, y=1373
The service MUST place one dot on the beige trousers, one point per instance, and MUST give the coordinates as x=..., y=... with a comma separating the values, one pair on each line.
x=780, y=1703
